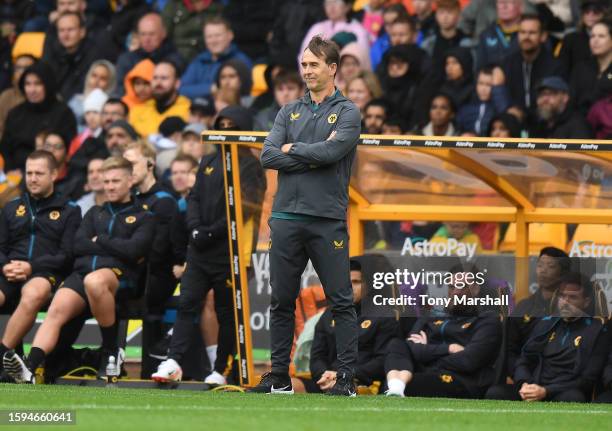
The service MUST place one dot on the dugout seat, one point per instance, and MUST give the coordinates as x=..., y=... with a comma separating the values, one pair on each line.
x=29, y=43
x=540, y=235
x=598, y=233
x=260, y=85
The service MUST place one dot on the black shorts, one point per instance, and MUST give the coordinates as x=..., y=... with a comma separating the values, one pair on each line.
x=75, y=282
x=12, y=289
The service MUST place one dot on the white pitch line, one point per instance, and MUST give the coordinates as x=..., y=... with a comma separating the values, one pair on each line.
x=149, y=407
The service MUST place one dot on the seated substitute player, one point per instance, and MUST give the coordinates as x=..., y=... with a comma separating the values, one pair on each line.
x=36, y=238
x=374, y=335
x=450, y=356
x=207, y=266
x=152, y=196
x=552, y=264
x=111, y=243
x=563, y=358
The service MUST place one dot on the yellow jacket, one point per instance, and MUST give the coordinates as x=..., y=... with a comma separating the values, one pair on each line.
x=146, y=120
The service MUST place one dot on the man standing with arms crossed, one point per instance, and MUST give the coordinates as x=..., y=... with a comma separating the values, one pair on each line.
x=312, y=146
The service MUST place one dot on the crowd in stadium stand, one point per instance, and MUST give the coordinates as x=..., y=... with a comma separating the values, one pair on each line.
x=96, y=91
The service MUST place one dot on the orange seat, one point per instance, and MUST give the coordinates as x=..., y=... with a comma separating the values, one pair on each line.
x=540, y=235
x=29, y=43
x=259, y=80
x=597, y=233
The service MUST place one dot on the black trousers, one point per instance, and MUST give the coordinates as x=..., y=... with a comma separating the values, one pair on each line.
x=398, y=356
x=325, y=243
x=199, y=277
x=605, y=397
x=511, y=393
x=161, y=285
x=427, y=383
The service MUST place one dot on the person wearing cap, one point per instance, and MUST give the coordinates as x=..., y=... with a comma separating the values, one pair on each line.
x=575, y=46
x=167, y=141
x=191, y=142
x=166, y=101
x=208, y=264
x=118, y=136
x=202, y=111
x=92, y=107
x=556, y=118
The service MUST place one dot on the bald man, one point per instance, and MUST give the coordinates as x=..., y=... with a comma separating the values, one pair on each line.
x=154, y=45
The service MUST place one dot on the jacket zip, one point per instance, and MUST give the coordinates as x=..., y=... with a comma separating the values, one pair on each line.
x=109, y=230
x=32, y=222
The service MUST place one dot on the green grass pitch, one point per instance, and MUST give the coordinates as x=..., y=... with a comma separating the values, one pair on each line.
x=134, y=409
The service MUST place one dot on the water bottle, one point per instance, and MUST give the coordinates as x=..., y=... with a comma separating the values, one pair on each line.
x=111, y=372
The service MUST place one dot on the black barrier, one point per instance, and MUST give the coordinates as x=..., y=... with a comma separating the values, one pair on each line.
x=440, y=142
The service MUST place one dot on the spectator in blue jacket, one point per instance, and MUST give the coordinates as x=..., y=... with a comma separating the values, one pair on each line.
x=383, y=42
x=202, y=71
x=489, y=100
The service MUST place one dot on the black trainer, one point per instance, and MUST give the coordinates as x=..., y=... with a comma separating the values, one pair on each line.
x=273, y=384
x=344, y=386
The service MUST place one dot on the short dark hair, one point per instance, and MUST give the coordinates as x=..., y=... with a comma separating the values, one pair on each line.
x=117, y=101
x=285, y=77
x=578, y=279
x=408, y=20
x=44, y=155
x=381, y=103
x=324, y=49
x=606, y=21
x=397, y=121
x=185, y=158
x=451, y=101
x=177, y=70
x=534, y=17
x=486, y=70
x=75, y=14
x=218, y=19
x=448, y=5
x=560, y=256
x=397, y=8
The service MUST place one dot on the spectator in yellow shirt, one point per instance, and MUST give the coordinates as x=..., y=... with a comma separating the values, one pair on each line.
x=166, y=101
